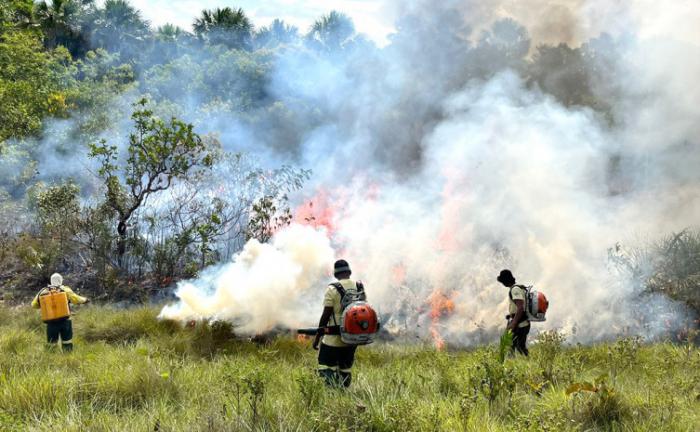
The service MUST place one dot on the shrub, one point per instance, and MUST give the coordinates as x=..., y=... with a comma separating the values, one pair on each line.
x=549, y=345
x=600, y=403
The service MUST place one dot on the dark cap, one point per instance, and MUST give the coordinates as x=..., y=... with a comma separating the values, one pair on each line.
x=341, y=266
x=506, y=277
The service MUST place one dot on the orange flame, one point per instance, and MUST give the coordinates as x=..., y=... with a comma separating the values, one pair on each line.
x=440, y=306
x=316, y=212
x=398, y=274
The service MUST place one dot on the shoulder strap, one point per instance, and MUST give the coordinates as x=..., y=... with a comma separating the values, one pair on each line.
x=510, y=290
x=339, y=287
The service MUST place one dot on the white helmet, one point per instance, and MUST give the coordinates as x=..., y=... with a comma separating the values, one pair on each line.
x=56, y=280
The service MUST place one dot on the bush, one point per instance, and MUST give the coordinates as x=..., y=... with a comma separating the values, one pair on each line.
x=677, y=268
x=599, y=404
x=548, y=348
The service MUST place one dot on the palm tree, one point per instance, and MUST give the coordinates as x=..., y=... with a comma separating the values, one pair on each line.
x=119, y=27
x=224, y=26
x=277, y=33
x=331, y=32
x=169, y=41
x=169, y=33
x=58, y=21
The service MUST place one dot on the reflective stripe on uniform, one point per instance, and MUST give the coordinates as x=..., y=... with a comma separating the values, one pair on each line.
x=326, y=367
x=67, y=341
x=345, y=370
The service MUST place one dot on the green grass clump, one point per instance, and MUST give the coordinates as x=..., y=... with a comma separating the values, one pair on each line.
x=132, y=372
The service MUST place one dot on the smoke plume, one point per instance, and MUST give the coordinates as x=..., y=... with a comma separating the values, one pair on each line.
x=435, y=167
x=443, y=157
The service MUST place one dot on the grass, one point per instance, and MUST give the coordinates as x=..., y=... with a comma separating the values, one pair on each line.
x=131, y=372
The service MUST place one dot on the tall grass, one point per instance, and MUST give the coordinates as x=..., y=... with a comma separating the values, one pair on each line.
x=131, y=372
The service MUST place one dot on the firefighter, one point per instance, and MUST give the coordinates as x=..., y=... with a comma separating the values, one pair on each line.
x=518, y=324
x=335, y=358
x=62, y=326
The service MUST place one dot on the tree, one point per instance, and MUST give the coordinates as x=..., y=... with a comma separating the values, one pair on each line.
x=15, y=14
x=58, y=214
x=119, y=27
x=331, y=32
x=169, y=41
x=169, y=33
x=158, y=154
x=61, y=23
x=503, y=46
x=32, y=84
x=562, y=72
x=277, y=33
x=226, y=26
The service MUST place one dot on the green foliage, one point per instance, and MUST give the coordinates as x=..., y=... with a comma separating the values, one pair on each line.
x=504, y=345
x=602, y=406
x=331, y=32
x=15, y=14
x=58, y=211
x=226, y=26
x=549, y=347
x=266, y=218
x=277, y=33
x=31, y=85
x=59, y=23
x=119, y=27
x=158, y=154
x=492, y=380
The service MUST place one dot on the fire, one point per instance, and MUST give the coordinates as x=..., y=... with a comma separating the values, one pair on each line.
x=398, y=274
x=316, y=211
x=441, y=305
x=451, y=211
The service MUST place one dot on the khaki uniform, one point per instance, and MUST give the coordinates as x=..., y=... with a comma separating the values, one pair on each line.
x=518, y=294
x=332, y=299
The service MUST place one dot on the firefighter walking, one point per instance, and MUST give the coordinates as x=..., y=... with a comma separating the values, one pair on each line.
x=518, y=323
x=335, y=357
x=53, y=301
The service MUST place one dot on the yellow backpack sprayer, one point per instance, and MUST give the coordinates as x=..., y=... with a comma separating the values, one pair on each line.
x=54, y=304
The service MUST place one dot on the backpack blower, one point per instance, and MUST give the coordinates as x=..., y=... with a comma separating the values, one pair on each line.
x=536, y=303
x=358, y=321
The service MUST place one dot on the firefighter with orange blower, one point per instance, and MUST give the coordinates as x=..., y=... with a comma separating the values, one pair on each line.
x=53, y=301
x=525, y=305
x=346, y=322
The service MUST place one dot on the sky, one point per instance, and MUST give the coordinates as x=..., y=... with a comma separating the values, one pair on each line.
x=369, y=16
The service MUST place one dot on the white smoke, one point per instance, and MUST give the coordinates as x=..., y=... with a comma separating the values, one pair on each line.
x=434, y=184
x=264, y=287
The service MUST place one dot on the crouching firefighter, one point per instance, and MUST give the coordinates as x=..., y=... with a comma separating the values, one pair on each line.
x=346, y=322
x=53, y=301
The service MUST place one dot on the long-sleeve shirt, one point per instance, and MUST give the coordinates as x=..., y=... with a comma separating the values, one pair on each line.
x=72, y=296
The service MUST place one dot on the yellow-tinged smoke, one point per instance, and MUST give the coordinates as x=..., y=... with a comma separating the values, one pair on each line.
x=265, y=286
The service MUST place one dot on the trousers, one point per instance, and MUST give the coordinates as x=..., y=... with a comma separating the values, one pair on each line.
x=62, y=328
